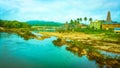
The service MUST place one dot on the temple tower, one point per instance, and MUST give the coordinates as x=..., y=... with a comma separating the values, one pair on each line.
x=108, y=17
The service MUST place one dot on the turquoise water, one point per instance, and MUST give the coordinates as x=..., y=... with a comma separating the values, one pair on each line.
x=15, y=52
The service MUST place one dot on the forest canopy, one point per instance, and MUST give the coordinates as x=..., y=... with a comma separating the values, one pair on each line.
x=13, y=24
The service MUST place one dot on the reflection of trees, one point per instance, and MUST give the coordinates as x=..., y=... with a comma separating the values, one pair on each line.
x=92, y=54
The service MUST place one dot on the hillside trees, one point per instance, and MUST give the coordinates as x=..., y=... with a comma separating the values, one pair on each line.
x=13, y=24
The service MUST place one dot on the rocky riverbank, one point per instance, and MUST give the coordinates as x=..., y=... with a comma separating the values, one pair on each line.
x=23, y=32
x=99, y=41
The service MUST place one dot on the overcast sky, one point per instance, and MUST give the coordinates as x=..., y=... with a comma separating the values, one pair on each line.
x=58, y=10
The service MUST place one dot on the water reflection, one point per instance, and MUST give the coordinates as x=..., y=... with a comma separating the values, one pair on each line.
x=103, y=60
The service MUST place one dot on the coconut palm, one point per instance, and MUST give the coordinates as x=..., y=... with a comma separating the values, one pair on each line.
x=71, y=21
x=80, y=19
x=90, y=19
x=85, y=18
x=75, y=22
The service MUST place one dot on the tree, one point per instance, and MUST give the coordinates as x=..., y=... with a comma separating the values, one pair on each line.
x=66, y=22
x=71, y=21
x=85, y=18
x=80, y=19
x=66, y=25
x=75, y=22
x=13, y=24
x=1, y=23
x=90, y=19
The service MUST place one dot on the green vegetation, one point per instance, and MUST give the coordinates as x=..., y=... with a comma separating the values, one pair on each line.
x=76, y=24
x=13, y=24
x=90, y=19
x=21, y=28
x=43, y=23
x=92, y=31
x=85, y=18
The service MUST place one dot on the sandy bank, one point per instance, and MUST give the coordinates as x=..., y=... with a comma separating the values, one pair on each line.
x=95, y=40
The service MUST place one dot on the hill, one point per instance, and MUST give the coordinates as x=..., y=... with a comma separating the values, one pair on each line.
x=43, y=23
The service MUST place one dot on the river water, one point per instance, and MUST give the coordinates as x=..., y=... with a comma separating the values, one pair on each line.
x=16, y=52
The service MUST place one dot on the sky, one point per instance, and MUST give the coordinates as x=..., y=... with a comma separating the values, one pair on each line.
x=58, y=10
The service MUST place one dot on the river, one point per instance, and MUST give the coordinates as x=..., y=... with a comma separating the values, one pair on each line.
x=16, y=52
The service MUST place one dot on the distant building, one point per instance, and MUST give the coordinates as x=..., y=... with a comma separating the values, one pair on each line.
x=110, y=25
x=96, y=24
x=108, y=19
x=102, y=24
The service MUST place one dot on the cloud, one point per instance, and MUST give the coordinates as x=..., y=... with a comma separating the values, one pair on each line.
x=58, y=10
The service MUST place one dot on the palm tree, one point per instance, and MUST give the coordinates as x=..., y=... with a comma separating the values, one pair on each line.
x=80, y=19
x=77, y=18
x=71, y=21
x=85, y=18
x=90, y=19
x=75, y=22
x=71, y=24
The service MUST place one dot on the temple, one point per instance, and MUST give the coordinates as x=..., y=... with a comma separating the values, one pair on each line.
x=105, y=24
x=108, y=19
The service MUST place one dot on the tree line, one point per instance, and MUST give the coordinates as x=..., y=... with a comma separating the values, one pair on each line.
x=79, y=20
x=76, y=23
x=13, y=24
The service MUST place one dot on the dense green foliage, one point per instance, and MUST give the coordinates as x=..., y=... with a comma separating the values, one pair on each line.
x=92, y=31
x=43, y=23
x=76, y=24
x=21, y=28
x=13, y=24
